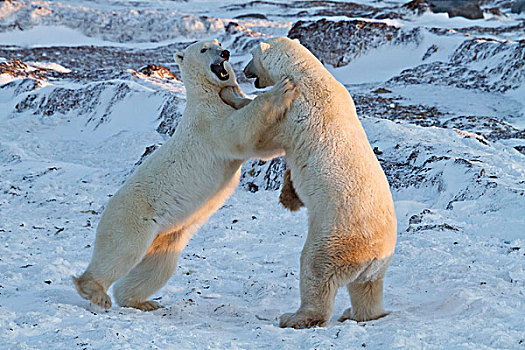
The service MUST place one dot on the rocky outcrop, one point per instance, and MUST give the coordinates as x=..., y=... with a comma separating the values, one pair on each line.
x=323, y=8
x=338, y=42
x=483, y=64
x=451, y=164
x=170, y=115
x=158, y=71
x=243, y=39
x=16, y=69
x=263, y=175
x=93, y=63
x=86, y=100
x=93, y=101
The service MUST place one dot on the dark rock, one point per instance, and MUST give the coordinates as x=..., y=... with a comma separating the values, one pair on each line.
x=244, y=39
x=430, y=51
x=414, y=219
x=418, y=6
x=259, y=174
x=518, y=6
x=381, y=91
x=465, y=8
x=153, y=70
x=252, y=15
x=496, y=11
x=170, y=116
x=520, y=149
x=147, y=152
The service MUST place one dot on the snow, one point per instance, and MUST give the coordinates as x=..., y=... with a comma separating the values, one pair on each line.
x=5, y=78
x=51, y=66
x=47, y=36
x=388, y=61
x=52, y=36
x=457, y=278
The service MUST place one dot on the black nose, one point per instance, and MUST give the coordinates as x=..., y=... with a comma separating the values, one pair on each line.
x=225, y=54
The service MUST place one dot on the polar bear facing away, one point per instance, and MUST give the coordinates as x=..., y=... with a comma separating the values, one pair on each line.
x=150, y=219
x=352, y=224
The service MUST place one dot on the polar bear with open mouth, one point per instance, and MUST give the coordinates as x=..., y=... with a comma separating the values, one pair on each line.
x=150, y=219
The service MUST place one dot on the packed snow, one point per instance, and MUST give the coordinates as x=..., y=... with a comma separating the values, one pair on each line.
x=88, y=87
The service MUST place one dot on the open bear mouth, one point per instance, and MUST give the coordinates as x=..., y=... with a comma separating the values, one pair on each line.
x=257, y=83
x=219, y=70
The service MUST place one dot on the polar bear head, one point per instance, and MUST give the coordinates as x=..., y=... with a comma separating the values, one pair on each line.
x=205, y=63
x=279, y=57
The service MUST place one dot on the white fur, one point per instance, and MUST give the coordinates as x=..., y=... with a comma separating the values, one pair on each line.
x=352, y=223
x=149, y=221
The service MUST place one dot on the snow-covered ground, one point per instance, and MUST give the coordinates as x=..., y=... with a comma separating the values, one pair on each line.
x=442, y=101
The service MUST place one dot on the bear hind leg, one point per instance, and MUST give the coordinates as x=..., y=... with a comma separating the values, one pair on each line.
x=317, y=297
x=113, y=257
x=152, y=272
x=317, y=305
x=367, y=301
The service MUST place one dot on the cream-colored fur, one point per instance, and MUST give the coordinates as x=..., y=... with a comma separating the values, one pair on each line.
x=352, y=223
x=151, y=218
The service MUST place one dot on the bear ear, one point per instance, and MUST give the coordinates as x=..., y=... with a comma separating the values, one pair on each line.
x=296, y=40
x=179, y=56
x=264, y=46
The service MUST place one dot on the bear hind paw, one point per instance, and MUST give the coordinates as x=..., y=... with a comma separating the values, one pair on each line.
x=301, y=320
x=148, y=305
x=349, y=315
x=90, y=290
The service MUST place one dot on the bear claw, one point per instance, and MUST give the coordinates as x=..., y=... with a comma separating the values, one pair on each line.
x=101, y=299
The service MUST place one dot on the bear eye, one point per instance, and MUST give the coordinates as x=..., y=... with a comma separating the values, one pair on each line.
x=203, y=50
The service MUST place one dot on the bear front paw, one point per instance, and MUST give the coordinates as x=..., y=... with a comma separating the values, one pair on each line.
x=287, y=90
